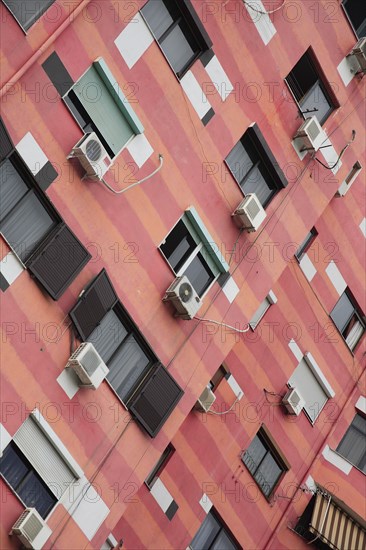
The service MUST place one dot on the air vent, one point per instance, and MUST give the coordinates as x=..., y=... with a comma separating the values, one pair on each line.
x=88, y=365
x=249, y=213
x=92, y=156
x=31, y=529
x=184, y=298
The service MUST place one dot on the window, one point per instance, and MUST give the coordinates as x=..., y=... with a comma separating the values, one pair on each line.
x=353, y=444
x=160, y=465
x=213, y=535
x=178, y=31
x=221, y=373
x=309, y=89
x=27, y=12
x=99, y=105
x=110, y=543
x=349, y=319
x=35, y=467
x=265, y=462
x=191, y=251
x=313, y=387
x=135, y=375
x=356, y=14
x=264, y=306
x=254, y=166
x=306, y=243
x=34, y=229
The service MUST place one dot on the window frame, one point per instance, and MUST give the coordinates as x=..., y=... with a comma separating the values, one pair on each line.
x=192, y=22
x=306, y=244
x=204, y=248
x=222, y=528
x=221, y=373
x=356, y=313
x=363, y=25
x=361, y=465
x=262, y=309
x=274, y=451
x=159, y=466
x=321, y=81
x=34, y=19
x=254, y=140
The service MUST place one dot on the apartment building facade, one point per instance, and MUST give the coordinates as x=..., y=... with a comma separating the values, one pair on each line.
x=182, y=274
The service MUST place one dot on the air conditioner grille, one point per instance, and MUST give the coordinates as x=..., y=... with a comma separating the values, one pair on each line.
x=185, y=292
x=93, y=150
x=295, y=399
x=252, y=208
x=313, y=130
x=90, y=361
x=31, y=526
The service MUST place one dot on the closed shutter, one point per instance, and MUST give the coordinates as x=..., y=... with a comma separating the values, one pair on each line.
x=103, y=110
x=156, y=400
x=43, y=456
x=95, y=302
x=59, y=261
x=315, y=397
x=6, y=145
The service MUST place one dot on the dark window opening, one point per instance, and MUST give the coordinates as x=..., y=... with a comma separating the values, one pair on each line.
x=221, y=373
x=25, y=481
x=306, y=244
x=178, y=31
x=353, y=445
x=254, y=166
x=349, y=319
x=309, y=89
x=264, y=462
x=213, y=535
x=160, y=465
x=27, y=12
x=355, y=11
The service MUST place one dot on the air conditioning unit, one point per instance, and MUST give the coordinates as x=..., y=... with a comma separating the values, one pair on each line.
x=206, y=400
x=31, y=529
x=358, y=54
x=92, y=156
x=310, y=134
x=88, y=365
x=250, y=213
x=184, y=298
x=293, y=401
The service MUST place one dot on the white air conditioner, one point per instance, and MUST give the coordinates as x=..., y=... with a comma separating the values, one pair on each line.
x=250, y=213
x=184, y=298
x=358, y=54
x=293, y=401
x=88, y=365
x=310, y=135
x=92, y=156
x=31, y=529
x=206, y=400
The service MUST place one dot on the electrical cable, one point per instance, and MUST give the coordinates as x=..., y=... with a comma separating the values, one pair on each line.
x=118, y=192
x=223, y=412
x=222, y=324
x=340, y=154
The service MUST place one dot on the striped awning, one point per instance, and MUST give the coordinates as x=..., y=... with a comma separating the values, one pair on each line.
x=331, y=524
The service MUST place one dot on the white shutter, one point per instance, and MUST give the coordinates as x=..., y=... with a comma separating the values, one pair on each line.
x=315, y=397
x=259, y=313
x=44, y=457
x=354, y=335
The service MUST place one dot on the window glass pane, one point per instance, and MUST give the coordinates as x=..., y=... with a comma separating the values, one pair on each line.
x=223, y=542
x=267, y=474
x=239, y=161
x=257, y=183
x=28, y=224
x=108, y=335
x=199, y=274
x=12, y=188
x=315, y=99
x=178, y=246
x=177, y=49
x=302, y=77
x=12, y=466
x=157, y=16
x=254, y=454
x=28, y=11
x=206, y=533
x=342, y=312
x=353, y=444
x=126, y=367
x=34, y=493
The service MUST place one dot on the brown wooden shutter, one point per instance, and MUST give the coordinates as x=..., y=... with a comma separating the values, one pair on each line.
x=6, y=145
x=58, y=261
x=95, y=302
x=155, y=401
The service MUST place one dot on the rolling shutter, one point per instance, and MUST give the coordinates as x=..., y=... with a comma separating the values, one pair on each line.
x=155, y=401
x=93, y=305
x=315, y=397
x=6, y=145
x=59, y=261
x=43, y=456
